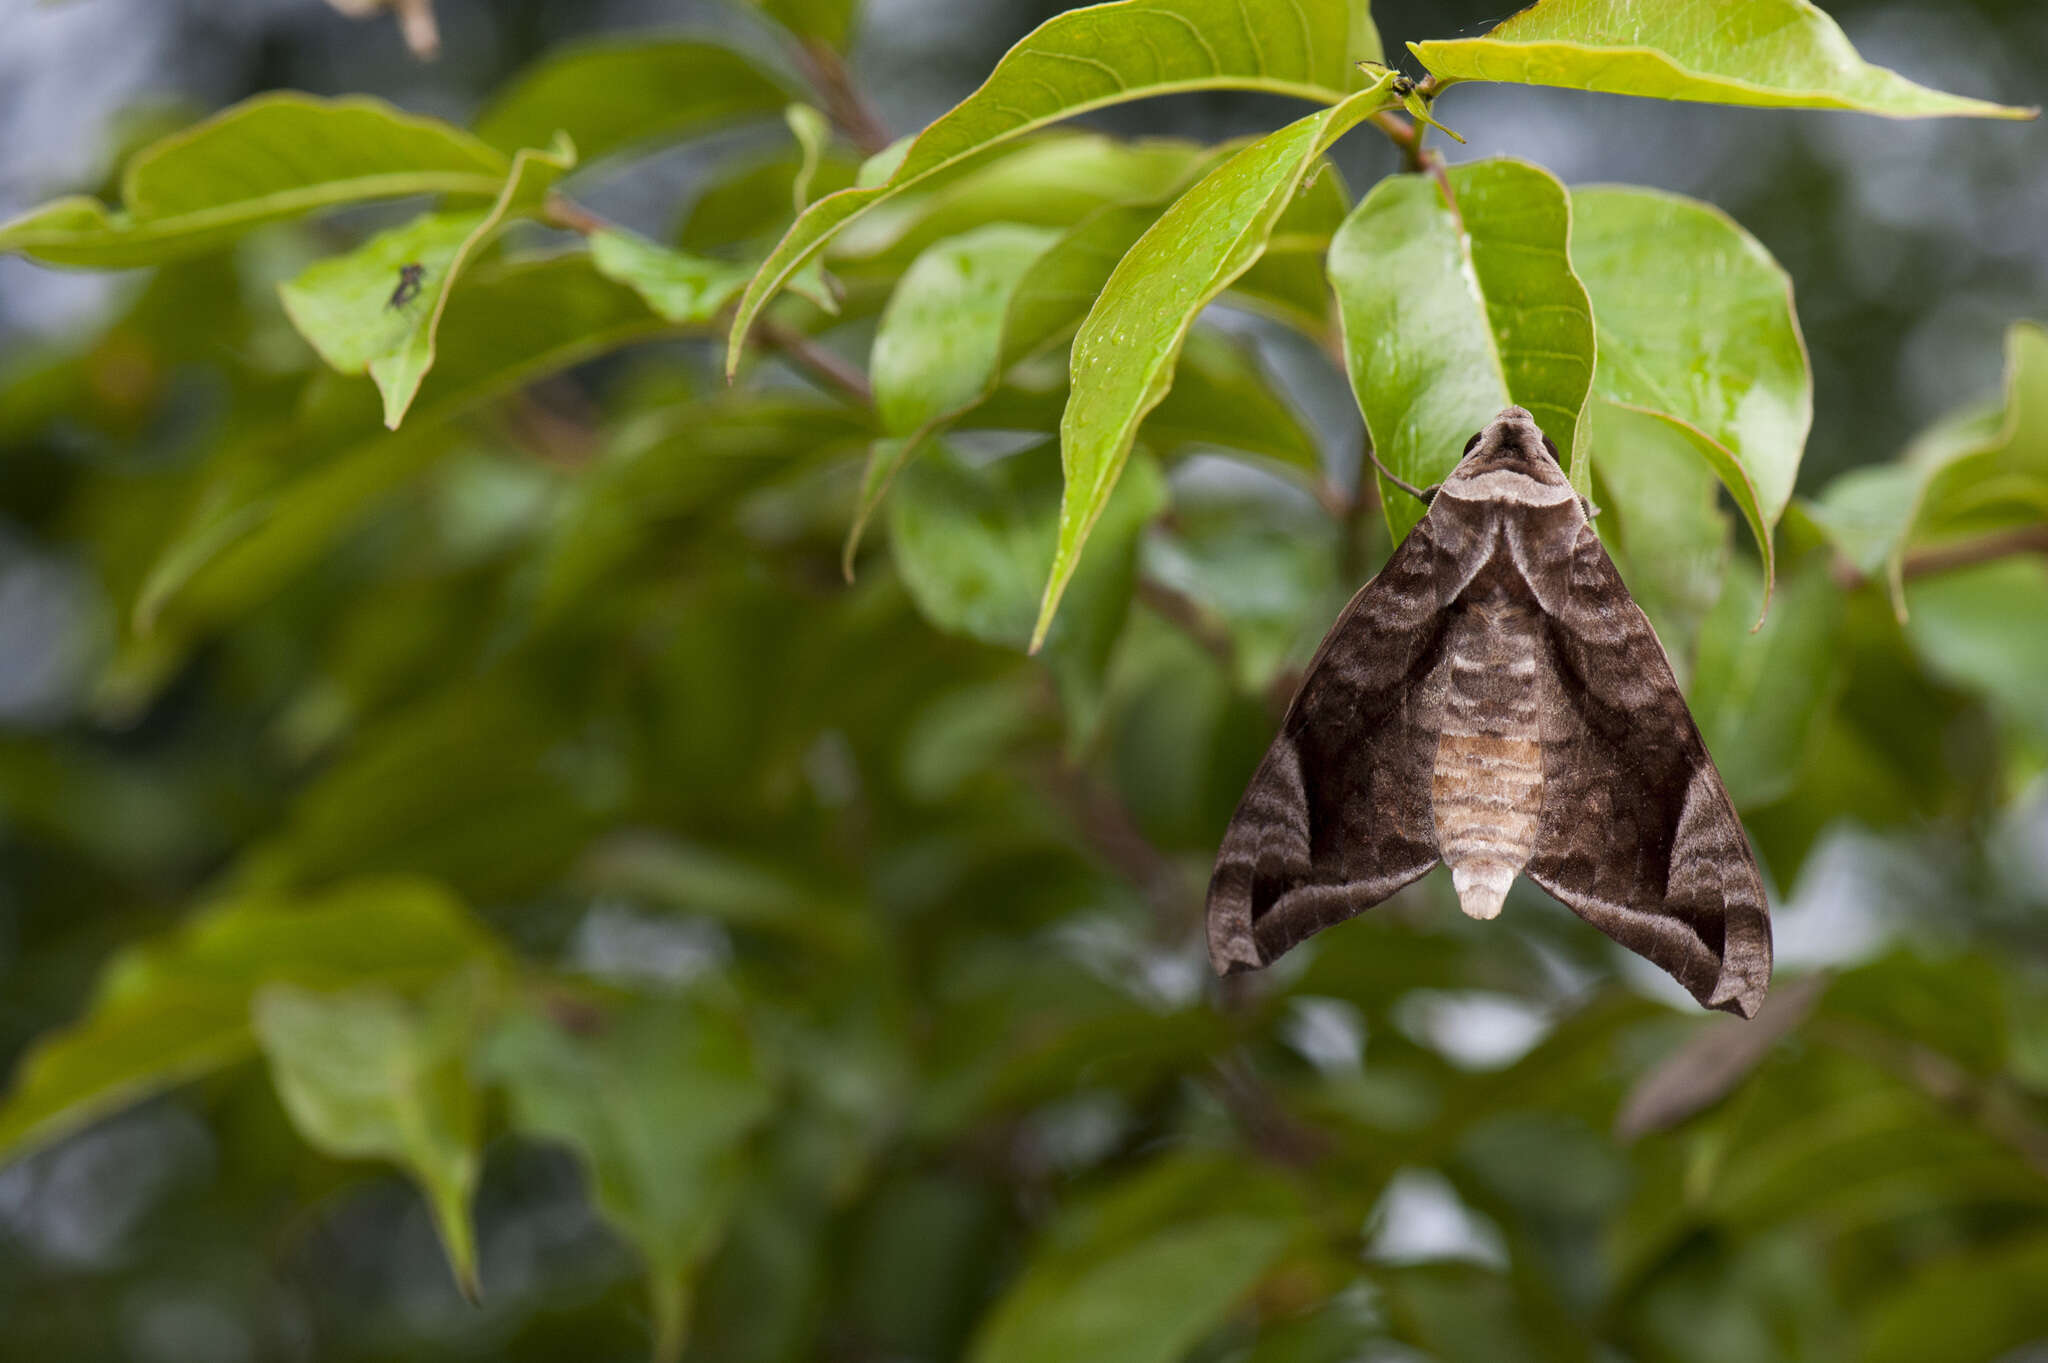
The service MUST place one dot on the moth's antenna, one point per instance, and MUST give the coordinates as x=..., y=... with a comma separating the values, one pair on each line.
x=1413, y=491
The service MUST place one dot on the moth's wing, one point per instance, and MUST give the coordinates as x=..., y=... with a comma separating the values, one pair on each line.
x=1637, y=833
x=1338, y=816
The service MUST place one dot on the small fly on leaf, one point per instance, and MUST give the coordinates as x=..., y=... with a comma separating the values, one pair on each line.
x=409, y=277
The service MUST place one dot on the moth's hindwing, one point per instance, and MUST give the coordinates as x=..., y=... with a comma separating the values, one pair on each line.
x=1495, y=700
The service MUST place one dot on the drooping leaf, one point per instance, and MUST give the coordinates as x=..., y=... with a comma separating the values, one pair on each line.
x=1696, y=329
x=271, y=157
x=1979, y=471
x=1124, y=355
x=171, y=1010
x=938, y=347
x=1088, y=58
x=348, y=309
x=368, y=1075
x=612, y=94
x=1289, y=282
x=1451, y=314
x=658, y=1100
x=1773, y=53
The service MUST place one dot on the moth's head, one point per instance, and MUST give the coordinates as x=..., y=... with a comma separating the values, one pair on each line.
x=1510, y=460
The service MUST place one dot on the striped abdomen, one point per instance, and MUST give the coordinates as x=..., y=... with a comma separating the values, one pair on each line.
x=1487, y=789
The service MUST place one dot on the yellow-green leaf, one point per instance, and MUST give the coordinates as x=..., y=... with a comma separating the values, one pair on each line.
x=1086, y=59
x=271, y=157
x=1782, y=54
x=1124, y=355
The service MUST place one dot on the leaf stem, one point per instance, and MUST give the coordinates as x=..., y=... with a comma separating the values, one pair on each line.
x=1947, y=558
x=814, y=359
x=844, y=103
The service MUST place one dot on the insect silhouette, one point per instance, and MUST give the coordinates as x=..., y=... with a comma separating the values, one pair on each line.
x=1495, y=700
x=409, y=277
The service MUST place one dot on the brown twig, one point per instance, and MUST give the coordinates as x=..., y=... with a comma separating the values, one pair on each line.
x=1184, y=611
x=1407, y=135
x=1272, y=1130
x=1947, y=558
x=559, y=210
x=848, y=109
x=1112, y=834
x=1944, y=558
x=816, y=360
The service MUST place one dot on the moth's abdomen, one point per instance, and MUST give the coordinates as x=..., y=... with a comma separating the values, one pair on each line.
x=1487, y=788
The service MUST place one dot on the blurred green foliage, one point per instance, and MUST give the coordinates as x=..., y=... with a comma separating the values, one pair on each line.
x=518, y=837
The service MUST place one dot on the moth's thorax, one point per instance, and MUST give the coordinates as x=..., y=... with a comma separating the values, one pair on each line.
x=1486, y=791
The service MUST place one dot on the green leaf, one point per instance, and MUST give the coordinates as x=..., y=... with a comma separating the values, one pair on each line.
x=1054, y=295
x=685, y=289
x=347, y=308
x=1087, y=59
x=172, y=1010
x=1985, y=629
x=1151, y=1302
x=1124, y=355
x=1289, y=282
x=1661, y=521
x=271, y=157
x=813, y=135
x=1696, y=329
x=510, y=324
x=1222, y=399
x=1053, y=180
x=1452, y=314
x=938, y=347
x=971, y=544
x=368, y=1075
x=1759, y=693
x=940, y=340
x=1775, y=53
x=1978, y=471
x=658, y=1099
x=611, y=95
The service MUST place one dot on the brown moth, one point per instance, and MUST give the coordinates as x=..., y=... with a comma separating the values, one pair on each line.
x=1495, y=700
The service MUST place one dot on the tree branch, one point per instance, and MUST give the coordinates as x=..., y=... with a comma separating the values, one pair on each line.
x=848, y=109
x=814, y=359
x=1944, y=558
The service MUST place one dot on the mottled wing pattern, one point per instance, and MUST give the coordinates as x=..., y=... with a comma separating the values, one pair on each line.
x=1637, y=834
x=1337, y=817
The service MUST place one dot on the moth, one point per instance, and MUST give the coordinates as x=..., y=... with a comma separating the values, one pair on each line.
x=409, y=277
x=1495, y=700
